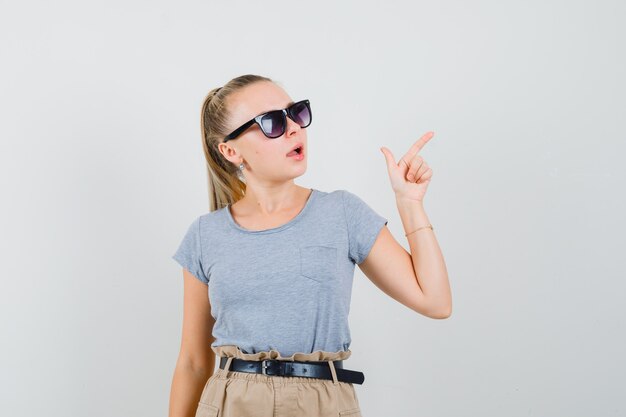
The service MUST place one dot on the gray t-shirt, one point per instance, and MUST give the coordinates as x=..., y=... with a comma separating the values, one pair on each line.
x=287, y=288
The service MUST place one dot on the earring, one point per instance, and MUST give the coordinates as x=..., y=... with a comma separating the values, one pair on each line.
x=240, y=173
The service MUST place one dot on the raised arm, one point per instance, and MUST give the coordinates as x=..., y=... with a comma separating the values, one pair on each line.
x=418, y=279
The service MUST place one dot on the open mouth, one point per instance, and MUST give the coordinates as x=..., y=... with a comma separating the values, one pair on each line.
x=296, y=151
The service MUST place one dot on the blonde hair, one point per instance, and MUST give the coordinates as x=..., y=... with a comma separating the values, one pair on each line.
x=225, y=185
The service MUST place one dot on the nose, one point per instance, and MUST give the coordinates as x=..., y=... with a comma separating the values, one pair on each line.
x=292, y=127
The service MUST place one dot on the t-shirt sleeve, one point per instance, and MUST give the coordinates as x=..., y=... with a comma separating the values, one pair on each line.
x=189, y=252
x=363, y=224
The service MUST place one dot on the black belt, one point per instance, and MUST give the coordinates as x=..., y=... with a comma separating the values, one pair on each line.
x=308, y=369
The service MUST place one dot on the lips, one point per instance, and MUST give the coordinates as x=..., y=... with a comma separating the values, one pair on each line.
x=297, y=149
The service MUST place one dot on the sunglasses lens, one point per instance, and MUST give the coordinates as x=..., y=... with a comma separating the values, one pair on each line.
x=273, y=124
x=301, y=113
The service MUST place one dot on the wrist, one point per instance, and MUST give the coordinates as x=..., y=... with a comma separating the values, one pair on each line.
x=407, y=202
x=412, y=214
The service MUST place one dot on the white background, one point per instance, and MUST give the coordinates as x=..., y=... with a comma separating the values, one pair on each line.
x=102, y=171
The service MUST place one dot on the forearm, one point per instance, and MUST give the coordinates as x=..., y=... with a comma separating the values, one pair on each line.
x=187, y=386
x=428, y=262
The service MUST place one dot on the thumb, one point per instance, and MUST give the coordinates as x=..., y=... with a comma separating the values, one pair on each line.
x=389, y=158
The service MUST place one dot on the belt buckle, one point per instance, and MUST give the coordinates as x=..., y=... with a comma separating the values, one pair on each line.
x=277, y=362
x=264, y=366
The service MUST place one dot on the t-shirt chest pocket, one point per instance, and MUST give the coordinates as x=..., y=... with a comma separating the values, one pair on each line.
x=318, y=262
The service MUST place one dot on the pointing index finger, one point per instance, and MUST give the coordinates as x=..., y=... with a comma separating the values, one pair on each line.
x=418, y=145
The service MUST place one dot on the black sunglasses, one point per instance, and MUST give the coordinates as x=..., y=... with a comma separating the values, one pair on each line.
x=274, y=122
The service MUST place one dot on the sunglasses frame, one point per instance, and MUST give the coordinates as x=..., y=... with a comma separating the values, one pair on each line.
x=285, y=112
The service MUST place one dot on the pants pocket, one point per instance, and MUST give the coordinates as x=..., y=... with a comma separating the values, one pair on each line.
x=318, y=262
x=354, y=412
x=206, y=410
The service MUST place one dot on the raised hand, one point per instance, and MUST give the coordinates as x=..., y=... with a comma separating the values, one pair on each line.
x=411, y=175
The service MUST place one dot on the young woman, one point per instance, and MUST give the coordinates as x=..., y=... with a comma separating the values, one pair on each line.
x=277, y=261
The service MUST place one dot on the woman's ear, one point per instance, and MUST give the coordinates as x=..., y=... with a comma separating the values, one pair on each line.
x=230, y=153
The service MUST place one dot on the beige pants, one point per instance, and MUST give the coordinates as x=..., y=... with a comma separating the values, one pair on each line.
x=243, y=394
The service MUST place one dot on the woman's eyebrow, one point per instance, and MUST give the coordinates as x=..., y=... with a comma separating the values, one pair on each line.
x=288, y=104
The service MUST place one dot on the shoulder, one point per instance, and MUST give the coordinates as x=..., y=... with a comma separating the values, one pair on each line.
x=349, y=198
x=332, y=195
x=341, y=198
x=332, y=198
x=206, y=222
x=211, y=216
